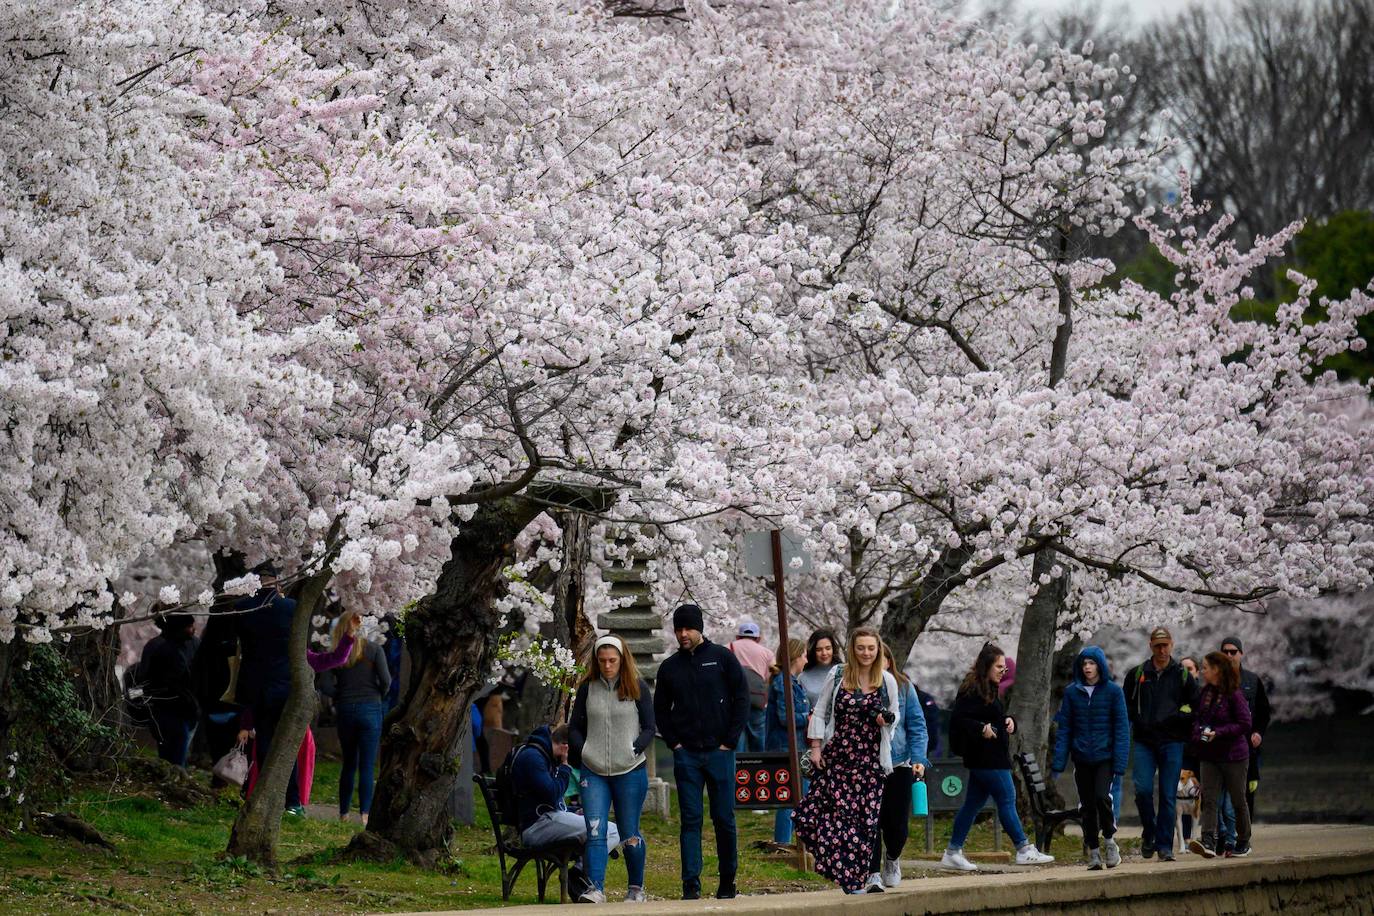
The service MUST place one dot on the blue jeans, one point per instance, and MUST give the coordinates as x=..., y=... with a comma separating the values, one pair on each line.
x=173, y=734
x=782, y=818
x=751, y=739
x=1116, y=797
x=983, y=784
x=360, y=734
x=1163, y=763
x=627, y=791
x=713, y=771
x=1226, y=820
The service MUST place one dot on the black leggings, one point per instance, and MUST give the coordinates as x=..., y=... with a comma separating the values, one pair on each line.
x=1094, y=781
x=894, y=816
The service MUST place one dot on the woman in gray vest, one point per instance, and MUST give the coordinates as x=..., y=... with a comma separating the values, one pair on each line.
x=612, y=727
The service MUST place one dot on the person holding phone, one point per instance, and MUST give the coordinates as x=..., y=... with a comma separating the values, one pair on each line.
x=1221, y=736
x=850, y=734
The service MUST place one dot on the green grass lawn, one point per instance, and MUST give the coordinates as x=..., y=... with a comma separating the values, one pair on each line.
x=171, y=861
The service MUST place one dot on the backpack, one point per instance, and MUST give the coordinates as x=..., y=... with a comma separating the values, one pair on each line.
x=505, y=782
x=758, y=688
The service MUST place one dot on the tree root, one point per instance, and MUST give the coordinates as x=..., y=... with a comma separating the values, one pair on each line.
x=72, y=827
x=373, y=847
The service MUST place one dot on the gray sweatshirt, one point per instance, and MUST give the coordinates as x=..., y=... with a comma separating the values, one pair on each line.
x=367, y=681
x=607, y=734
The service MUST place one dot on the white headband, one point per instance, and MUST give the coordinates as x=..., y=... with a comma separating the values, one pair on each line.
x=612, y=641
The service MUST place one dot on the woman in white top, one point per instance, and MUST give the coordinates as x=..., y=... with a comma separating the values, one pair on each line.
x=850, y=734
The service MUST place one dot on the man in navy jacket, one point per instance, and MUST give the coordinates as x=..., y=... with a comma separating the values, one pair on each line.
x=539, y=780
x=701, y=704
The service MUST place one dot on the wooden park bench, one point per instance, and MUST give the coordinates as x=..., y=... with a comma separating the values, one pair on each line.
x=1047, y=817
x=554, y=857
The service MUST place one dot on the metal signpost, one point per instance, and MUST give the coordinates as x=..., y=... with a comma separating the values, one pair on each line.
x=779, y=545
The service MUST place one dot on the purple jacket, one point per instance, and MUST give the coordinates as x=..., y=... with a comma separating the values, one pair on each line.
x=1229, y=717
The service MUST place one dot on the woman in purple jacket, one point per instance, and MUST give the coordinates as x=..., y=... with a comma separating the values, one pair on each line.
x=1221, y=733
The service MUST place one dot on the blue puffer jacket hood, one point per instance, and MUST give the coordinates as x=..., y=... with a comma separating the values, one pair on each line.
x=1092, y=726
x=1096, y=654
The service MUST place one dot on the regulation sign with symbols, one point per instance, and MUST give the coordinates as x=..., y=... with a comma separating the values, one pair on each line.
x=764, y=780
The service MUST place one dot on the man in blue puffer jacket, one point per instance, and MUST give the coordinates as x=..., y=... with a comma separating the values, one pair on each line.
x=1094, y=729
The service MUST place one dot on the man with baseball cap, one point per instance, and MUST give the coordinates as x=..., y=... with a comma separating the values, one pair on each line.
x=1252, y=687
x=756, y=660
x=1160, y=694
x=701, y=703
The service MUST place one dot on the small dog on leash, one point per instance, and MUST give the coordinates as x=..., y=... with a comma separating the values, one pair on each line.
x=1189, y=804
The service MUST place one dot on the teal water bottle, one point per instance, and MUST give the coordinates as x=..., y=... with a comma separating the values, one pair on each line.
x=919, y=804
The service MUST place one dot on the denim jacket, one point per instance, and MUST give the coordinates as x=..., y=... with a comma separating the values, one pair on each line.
x=909, y=738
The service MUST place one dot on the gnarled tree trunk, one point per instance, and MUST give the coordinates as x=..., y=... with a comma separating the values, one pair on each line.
x=258, y=825
x=908, y=614
x=451, y=636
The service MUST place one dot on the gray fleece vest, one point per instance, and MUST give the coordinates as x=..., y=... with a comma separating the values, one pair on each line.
x=612, y=727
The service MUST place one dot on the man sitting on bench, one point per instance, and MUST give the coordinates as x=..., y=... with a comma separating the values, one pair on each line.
x=539, y=779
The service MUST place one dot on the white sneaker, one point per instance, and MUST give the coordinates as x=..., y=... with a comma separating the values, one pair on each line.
x=892, y=871
x=955, y=859
x=874, y=884
x=1113, y=855
x=635, y=895
x=592, y=896
x=1029, y=855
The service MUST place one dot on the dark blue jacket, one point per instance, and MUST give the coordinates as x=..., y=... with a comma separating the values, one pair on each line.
x=775, y=723
x=537, y=780
x=701, y=699
x=264, y=635
x=1092, y=728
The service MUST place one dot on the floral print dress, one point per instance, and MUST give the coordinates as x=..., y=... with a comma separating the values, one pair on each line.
x=838, y=818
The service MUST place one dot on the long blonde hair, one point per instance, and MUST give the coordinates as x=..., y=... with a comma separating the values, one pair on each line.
x=340, y=631
x=851, y=661
x=787, y=654
x=628, y=686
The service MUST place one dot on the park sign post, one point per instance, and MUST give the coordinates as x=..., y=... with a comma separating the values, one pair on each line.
x=764, y=555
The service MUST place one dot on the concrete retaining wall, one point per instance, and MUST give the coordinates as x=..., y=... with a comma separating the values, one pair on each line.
x=1336, y=884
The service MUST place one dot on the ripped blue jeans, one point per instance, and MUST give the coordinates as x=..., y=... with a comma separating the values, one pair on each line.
x=627, y=791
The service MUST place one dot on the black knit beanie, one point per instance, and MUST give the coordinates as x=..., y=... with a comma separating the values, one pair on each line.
x=688, y=617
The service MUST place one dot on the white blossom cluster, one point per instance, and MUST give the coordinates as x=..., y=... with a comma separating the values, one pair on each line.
x=316, y=282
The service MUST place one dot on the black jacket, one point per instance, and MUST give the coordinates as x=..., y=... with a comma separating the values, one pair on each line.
x=264, y=633
x=970, y=713
x=1252, y=685
x=1160, y=703
x=165, y=671
x=701, y=699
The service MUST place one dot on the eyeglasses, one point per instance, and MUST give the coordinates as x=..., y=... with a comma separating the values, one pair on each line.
x=1231, y=651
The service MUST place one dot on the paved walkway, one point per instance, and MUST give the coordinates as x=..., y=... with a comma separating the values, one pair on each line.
x=1282, y=852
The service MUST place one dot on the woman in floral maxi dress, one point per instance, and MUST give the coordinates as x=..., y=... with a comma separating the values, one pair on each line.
x=853, y=720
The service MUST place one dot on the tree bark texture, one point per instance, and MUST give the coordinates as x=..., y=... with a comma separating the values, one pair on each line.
x=542, y=703
x=91, y=658
x=258, y=825
x=451, y=636
x=908, y=614
x=1030, y=698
